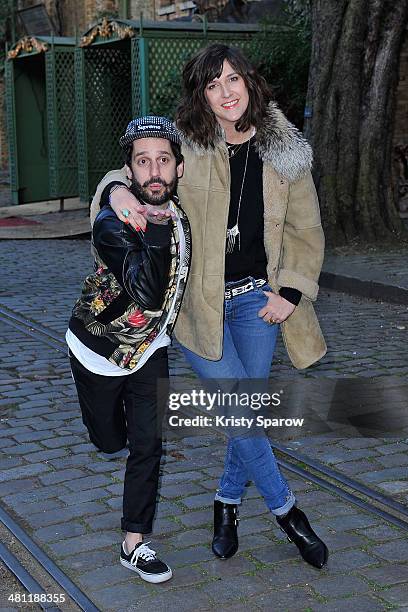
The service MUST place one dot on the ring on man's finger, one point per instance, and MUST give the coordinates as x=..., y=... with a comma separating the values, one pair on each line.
x=125, y=212
x=271, y=321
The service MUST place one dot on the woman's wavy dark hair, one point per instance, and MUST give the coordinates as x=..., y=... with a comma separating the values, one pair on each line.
x=194, y=116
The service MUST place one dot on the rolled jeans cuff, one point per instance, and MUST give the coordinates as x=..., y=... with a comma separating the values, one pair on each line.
x=227, y=500
x=284, y=509
x=136, y=527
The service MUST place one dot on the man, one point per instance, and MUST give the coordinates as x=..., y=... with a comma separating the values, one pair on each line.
x=119, y=330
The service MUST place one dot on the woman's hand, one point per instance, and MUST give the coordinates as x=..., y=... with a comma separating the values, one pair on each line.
x=159, y=216
x=123, y=201
x=277, y=309
x=129, y=210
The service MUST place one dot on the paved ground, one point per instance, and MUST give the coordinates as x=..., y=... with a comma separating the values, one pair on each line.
x=379, y=272
x=375, y=265
x=69, y=496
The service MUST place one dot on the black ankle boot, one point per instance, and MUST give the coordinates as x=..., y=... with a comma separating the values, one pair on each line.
x=298, y=529
x=225, y=541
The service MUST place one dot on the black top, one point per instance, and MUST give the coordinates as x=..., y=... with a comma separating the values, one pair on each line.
x=250, y=259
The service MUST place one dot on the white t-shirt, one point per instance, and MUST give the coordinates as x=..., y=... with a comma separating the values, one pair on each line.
x=100, y=365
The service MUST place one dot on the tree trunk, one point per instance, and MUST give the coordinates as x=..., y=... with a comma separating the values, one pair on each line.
x=352, y=88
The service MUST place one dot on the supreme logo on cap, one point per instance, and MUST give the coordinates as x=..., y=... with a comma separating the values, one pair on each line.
x=149, y=127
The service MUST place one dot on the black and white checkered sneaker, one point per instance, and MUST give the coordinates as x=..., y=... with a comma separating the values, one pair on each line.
x=143, y=560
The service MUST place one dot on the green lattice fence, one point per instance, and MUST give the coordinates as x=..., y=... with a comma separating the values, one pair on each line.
x=11, y=129
x=103, y=85
x=165, y=58
x=41, y=120
x=63, y=164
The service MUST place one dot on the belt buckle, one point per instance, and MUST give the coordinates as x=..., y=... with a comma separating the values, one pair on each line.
x=244, y=288
x=239, y=290
x=233, y=291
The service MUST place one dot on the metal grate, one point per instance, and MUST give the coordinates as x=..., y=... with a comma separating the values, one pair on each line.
x=11, y=129
x=136, y=78
x=166, y=58
x=104, y=93
x=82, y=149
x=62, y=153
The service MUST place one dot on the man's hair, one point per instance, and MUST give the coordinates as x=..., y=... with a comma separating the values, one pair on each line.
x=194, y=116
x=176, y=149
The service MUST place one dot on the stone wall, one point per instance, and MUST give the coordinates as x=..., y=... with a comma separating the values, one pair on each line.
x=73, y=17
x=166, y=10
x=147, y=7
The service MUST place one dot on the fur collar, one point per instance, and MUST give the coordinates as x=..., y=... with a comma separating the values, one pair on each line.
x=278, y=143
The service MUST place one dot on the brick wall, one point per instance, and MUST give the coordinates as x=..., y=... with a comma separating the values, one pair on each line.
x=96, y=7
x=73, y=17
x=166, y=10
x=147, y=7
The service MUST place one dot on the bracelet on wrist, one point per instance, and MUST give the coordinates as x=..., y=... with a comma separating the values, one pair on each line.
x=114, y=189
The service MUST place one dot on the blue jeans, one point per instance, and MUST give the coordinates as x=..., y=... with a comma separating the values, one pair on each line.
x=248, y=348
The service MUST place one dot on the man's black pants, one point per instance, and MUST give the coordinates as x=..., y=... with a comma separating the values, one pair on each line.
x=119, y=408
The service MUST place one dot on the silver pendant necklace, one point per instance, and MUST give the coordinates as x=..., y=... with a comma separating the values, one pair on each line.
x=233, y=149
x=233, y=232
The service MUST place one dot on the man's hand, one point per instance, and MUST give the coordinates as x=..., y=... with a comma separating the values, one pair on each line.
x=123, y=200
x=277, y=309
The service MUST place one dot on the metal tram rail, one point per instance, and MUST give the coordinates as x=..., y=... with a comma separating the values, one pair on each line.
x=351, y=490
x=7, y=557
x=28, y=581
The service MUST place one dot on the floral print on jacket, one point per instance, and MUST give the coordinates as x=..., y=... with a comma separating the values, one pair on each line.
x=135, y=329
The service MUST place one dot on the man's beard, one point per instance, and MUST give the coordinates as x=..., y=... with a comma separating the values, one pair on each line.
x=142, y=193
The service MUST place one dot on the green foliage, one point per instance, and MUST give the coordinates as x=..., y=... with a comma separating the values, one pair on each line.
x=282, y=56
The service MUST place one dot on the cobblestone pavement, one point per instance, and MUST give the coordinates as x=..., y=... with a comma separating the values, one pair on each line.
x=68, y=495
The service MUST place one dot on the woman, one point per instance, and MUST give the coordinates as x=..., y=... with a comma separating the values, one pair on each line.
x=257, y=250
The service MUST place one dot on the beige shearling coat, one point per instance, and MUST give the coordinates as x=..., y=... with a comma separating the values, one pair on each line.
x=293, y=237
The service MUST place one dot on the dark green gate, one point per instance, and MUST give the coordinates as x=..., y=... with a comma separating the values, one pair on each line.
x=41, y=119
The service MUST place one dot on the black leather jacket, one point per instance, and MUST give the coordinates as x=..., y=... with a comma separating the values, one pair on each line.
x=139, y=261
x=124, y=301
